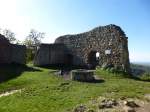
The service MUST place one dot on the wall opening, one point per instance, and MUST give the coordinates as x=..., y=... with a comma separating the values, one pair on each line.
x=93, y=58
x=97, y=55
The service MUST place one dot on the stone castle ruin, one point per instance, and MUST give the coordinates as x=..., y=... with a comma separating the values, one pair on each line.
x=11, y=53
x=106, y=46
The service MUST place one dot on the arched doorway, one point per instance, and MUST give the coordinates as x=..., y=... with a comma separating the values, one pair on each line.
x=93, y=59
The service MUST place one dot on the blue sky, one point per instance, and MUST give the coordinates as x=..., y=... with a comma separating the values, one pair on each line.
x=60, y=17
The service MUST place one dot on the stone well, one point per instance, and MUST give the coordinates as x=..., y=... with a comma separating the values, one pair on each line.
x=82, y=75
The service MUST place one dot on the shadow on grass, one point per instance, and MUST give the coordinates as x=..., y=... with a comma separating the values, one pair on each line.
x=62, y=67
x=10, y=71
x=96, y=81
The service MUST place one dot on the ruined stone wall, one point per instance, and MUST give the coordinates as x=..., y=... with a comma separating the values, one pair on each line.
x=50, y=54
x=57, y=54
x=42, y=56
x=11, y=53
x=18, y=54
x=5, y=50
x=110, y=41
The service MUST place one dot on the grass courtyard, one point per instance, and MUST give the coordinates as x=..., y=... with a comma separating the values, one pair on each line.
x=42, y=91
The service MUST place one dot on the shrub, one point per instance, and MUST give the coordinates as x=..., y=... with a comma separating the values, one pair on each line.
x=145, y=76
x=29, y=55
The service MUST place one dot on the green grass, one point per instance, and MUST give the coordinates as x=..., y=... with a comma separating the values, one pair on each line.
x=145, y=76
x=44, y=92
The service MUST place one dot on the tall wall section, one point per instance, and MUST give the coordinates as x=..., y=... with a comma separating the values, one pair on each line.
x=5, y=50
x=11, y=53
x=110, y=41
x=50, y=54
x=18, y=54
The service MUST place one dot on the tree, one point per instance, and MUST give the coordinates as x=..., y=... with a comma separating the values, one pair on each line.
x=32, y=41
x=9, y=35
x=34, y=38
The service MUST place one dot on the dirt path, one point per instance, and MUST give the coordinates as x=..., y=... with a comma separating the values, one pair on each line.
x=10, y=92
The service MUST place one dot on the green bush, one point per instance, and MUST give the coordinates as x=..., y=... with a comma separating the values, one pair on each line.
x=145, y=76
x=29, y=55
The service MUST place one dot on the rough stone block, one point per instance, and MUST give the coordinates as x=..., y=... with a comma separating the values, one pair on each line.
x=82, y=75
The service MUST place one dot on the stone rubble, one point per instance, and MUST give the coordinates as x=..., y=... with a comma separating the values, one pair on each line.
x=103, y=104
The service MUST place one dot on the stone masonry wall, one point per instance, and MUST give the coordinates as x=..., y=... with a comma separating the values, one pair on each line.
x=11, y=53
x=5, y=50
x=109, y=41
x=18, y=54
x=42, y=56
x=53, y=54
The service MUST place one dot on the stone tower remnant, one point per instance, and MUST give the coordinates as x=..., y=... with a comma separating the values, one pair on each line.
x=109, y=42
